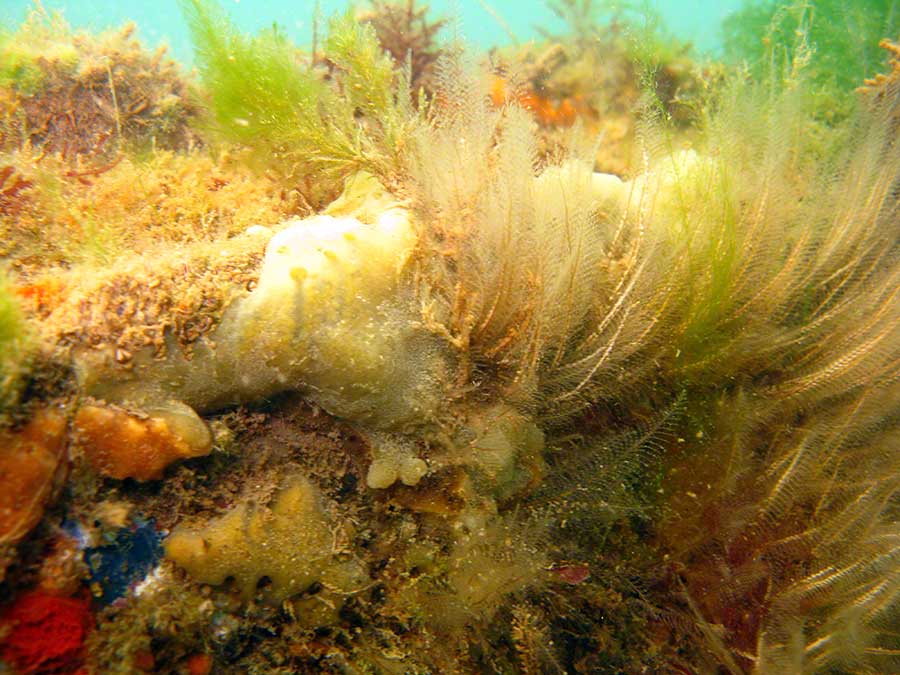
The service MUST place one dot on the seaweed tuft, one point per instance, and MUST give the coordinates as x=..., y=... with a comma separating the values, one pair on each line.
x=326, y=116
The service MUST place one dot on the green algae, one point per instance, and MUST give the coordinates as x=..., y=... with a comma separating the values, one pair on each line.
x=16, y=345
x=839, y=40
x=265, y=93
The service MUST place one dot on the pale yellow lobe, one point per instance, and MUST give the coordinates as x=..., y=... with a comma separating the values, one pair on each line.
x=292, y=543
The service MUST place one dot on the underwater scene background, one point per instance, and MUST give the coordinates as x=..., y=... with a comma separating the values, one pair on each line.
x=485, y=25
x=370, y=340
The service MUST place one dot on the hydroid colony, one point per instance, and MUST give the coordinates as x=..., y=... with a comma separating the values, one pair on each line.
x=575, y=422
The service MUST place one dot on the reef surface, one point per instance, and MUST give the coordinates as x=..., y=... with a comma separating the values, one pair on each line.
x=371, y=358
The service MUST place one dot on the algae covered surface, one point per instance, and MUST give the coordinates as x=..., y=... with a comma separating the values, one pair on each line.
x=387, y=354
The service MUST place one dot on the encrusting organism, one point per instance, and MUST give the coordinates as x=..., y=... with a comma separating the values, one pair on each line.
x=44, y=633
x=292, y=544
x=34, y=463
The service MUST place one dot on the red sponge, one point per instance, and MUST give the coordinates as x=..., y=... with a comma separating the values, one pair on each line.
x=45, y=633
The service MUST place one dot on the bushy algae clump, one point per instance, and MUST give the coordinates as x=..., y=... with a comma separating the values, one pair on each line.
x=86, y=96
x=490, y=410
x=265, y=94
x=405, y=31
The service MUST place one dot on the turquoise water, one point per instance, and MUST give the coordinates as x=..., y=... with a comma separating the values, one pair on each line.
x=697, y=21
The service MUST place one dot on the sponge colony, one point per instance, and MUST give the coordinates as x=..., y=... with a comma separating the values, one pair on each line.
x=121, y=445
x=32, y=463
x=333, y=315
x=291, y=543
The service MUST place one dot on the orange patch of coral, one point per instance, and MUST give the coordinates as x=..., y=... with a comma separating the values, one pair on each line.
x=121, y=445
x=200, y=664
x=33, y=462
x=42, y=295
x=545, y=111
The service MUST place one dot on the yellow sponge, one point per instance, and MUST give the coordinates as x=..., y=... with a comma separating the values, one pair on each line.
x=293, y=543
